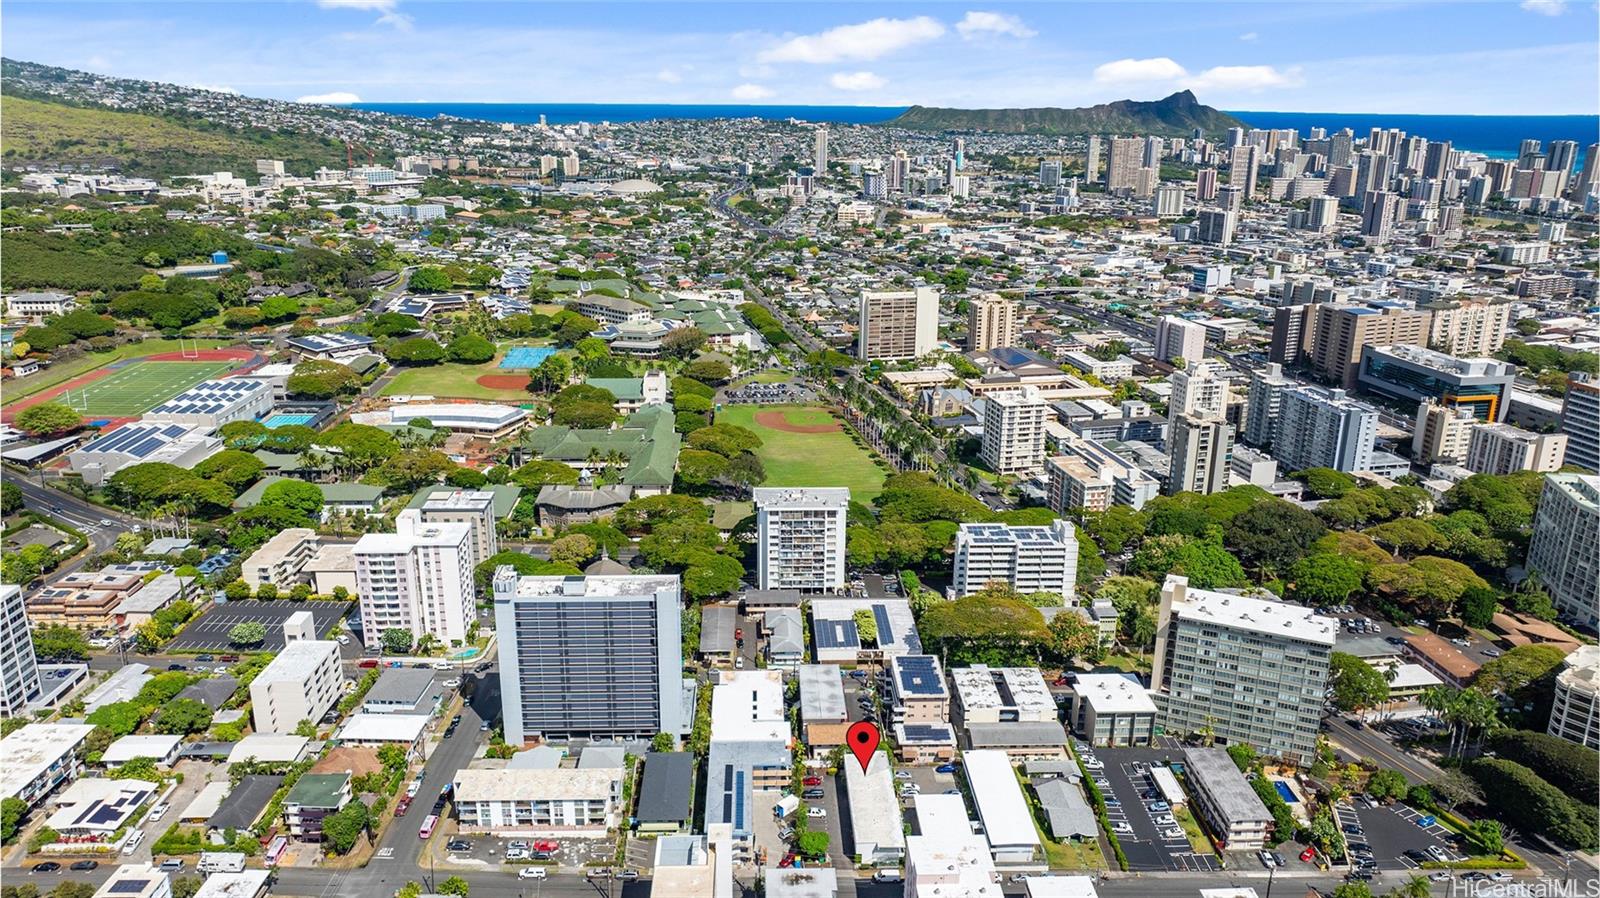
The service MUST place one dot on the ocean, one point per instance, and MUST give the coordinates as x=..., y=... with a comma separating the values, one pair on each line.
x=1492, y=135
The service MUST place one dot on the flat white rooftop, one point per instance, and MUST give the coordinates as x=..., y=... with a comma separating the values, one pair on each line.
x=1262, y=616
x=1115, y=694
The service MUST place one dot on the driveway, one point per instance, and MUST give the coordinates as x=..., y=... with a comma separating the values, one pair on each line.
x=1146, y=849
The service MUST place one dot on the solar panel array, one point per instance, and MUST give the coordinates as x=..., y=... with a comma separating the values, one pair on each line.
x=137, y=440
x=210, y=397
x=837, y=634
x=333, y=340
x=919, y=675
x=127, y=886
x=885, y=632
x=927, y=732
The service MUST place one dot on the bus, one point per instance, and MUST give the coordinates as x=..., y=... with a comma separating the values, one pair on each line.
x=428, y=823
x=275, y=850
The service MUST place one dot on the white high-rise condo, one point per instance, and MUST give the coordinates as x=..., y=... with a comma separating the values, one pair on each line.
x=1179, y=338
x=19, y=669
x=1198, y=455
x=417, y=579
x=801, y=537
x=1565, y=550
x=1029, y=559
x=897, y=324
x=1014, y=430
x=1324, y=428
x=1200, y=390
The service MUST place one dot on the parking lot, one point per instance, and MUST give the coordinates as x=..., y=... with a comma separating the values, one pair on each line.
x=209, y=632
x=490, y=851
x=1392, y=831
x=1150, y=846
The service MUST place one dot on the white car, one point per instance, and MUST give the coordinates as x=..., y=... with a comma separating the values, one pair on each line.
x=343, y=639
x=452, y=683
x=1121, y=827
x=902, y=774
x=1173, y=833
x=441, y=665
x=160, y=810
x=532, y=873
x=1166, y=820
x=516, y=854
x=816, y=812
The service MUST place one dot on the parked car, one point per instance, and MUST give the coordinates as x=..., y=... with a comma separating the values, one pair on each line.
x=368, y=663
x=402, y=806
x=205, y=657
x=628, y=874
x=945, y=768
x=816, y=812
x=1266, y=859
x=458, y=845
x=532, y=873
x=812, y=781
x=172, y=865
x=1308, y=854
x=902, y=774
x=1122, y=827
x=1160, y=806
x=1172, y=833
x=812, y=794
x=46, y=867
x=83, y=866
x=546, y=845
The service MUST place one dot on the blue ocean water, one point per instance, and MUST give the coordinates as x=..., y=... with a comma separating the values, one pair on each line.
x=1493, y=135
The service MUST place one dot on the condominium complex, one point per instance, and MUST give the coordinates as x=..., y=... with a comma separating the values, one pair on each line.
x=750, y=748
x=1323, y=428
x=1029, y=559
x=301, y=683
x=1441, y=433
x=1179, y=338
x=1333, y=336
x=1089, y=476
x=1565, y=550
x=474, y=508
x=1200, y=391
x=1469, y=327
x=1198, y=455
x=1244, y=669
x=1575, y=716
x=1267, y=387
x=1225, y=799
x=991, y=321
x=1580, y=420
x=19, y=669
x=418, y=578
x=1503, y=449
x=281, y=559
x=1014, y=430
x=897, y=324
x=801, y=537
x=594, y=657
x=1414, y=374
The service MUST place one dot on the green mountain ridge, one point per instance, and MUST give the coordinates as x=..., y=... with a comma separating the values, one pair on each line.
x=1176, y=115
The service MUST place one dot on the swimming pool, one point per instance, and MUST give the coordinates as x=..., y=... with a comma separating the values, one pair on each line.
x=284, y=419
x=1285, y=791
x=526, y=356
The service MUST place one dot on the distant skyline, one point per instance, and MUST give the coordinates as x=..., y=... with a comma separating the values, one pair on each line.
x=1536, y=57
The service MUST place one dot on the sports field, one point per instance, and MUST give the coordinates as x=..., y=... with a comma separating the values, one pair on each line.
x=807, y=446
x=454, y=381
x=139, y=387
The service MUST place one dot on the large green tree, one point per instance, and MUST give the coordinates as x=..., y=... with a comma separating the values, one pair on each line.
x=48, y=419
x=1355, y=683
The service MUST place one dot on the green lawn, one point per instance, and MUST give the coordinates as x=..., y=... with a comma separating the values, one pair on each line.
x=65, y=371
x=455, y=382
x=140, y=386
x=809, y=459
x=724, y=515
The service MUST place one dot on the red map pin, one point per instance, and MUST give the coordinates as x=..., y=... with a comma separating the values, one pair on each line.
x=863, y=737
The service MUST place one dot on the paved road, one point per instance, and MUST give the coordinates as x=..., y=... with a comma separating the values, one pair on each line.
x=1372, y=745
x=62, y=506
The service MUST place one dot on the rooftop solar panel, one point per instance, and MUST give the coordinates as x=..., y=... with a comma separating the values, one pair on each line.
x=918, y=676
x=923, y=732
x=127, y=886
x=885, y=631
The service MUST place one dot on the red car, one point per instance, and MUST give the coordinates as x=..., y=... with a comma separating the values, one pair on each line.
x=400, y=809
x=1308, y=854
x=788, y=860
x=368, y=663
x=812, y=781
x=1061, y=680
x=546, y=845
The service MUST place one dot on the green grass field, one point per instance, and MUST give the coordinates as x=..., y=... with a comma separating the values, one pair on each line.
x=140, y=387
x=809, y=459
x=455, y=382
x=61, y=372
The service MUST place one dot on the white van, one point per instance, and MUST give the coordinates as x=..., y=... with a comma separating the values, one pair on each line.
x=134, y=841
x=887, y=875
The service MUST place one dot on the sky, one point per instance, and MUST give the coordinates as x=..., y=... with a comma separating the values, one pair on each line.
x=1493, y=57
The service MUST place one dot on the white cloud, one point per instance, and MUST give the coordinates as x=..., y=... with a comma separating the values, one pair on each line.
x=1248, y=36
x=336, y=98
x=216, y=88
x=866, y=41
x=668, y=76
x=978, y=23
x=856, y=81
x=387, y=13
x=752, y=92
x=1249, y=78
x=1545, y=7
x=1122, y=71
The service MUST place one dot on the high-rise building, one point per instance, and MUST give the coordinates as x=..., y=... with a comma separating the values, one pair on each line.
x=1205, y=185
x=1244, y=164
x=1323, y=216
x=1342, y=330
x=897, y=324
x=898, y=170
x=301, y=683
x=1091, y=165
x=1179, y=338
x=1091, y=477
x=873, y=185
x=1028, y=559
x=1216, y=226
x=1439, y=160
x=1168, y=201
x=961, y=186
x=1198, y=455
x=418, y=579
x=1565, y=549
x=1322, y=428
x=1122, y=168
x=1293, y=334
x=1200, y=390
x=1340, y=149
x=1230, y=197
x=599, y=656
x=801, y=537
x=19, y=669
x=1563, y=156
x=1243, y=669
x=1379, y=212
x=991, y=321
x=1014, y=430
x=474, y=508
x=1049, y=173
x=1580, y=419
x=819, y=153
x=1575, y=713
x=1591, y=168
x=571, y=166
x=1154, y=149
x=274, y=167
x=958, y=152
x=1441, y=433
x=1504, y=449
x=1267, y=387
x=1410, y=373
x=1469, y=327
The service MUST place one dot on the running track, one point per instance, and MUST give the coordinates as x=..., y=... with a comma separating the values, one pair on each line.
x=249, y=358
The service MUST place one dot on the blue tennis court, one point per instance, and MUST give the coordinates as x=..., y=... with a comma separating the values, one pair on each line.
x=284, y=419
x=526, y=356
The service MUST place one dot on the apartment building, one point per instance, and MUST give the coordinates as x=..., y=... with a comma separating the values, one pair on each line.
x=474, y=508
x=917, y=690
x=1179, y=338
x=301, y=683
x=1580, y=419
x=1504, y=449
x=1565, y=549
x=281, y=559
x=1342, y=331
x=1225, y=799
x=1441, y=433
x=1469, y=327
x=1575, y=716
x=1089, y=476
x=1014, y=430
x=897, y=324
x=801, y=537
x=1324, y=428
x=1244, y=669
x=1414, y=374
x=596, y=656
x=419, y=578
x=1265, y=400
x=992, y=320
x=19, y=669
x=750, y=749
x=1028, y=559
x=1198, y=455
x=541, y=801
x=1201, y=390
x=1111, y=709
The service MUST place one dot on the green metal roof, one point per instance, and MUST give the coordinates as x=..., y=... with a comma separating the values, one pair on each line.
x=620, y=387
x=318, y=790
x=647, y=439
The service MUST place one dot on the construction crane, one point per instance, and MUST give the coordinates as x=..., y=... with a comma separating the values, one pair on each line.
x=349, y=160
